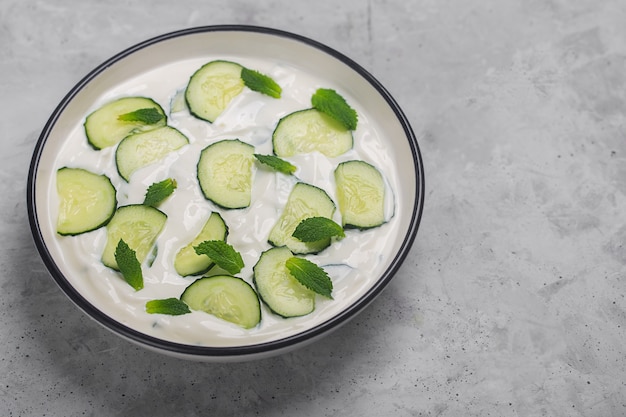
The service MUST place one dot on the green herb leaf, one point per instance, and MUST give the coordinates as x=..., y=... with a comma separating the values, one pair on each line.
x=159, y=191
x=170, y=306
x=148, y=116
x=256, y=81
x=313, y=229
x=128, y=265
x=276, y=163
x=310, y=275
x=220, y=252
x=330, y=102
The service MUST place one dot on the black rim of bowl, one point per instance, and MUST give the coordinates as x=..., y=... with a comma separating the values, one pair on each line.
x=245, y=350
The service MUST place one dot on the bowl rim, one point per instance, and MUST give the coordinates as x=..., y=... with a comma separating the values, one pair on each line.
x=241, y=351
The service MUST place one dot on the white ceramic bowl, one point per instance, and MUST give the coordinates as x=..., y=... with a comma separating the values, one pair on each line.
x=378, y=112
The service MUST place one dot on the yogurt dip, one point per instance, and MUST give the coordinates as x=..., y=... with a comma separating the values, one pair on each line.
x=353, y=263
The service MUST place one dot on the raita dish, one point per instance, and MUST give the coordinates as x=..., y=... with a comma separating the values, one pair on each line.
x=360, y=264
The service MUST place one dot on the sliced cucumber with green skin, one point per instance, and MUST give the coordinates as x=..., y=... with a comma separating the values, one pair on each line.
x=277, y=288
x=226, y=297
x=360, y=194
x=304, y=201
x=212, y=87
x=187, y=261
x=141, y=149
x=87, y=201
x=178, y=103
x=104, y=128
x=225, y=171
x=310, y=130
x=139, y=226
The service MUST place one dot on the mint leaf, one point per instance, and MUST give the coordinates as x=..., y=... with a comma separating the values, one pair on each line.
x=148, y=116
x=220, y=252
x=276, y=163
x=310, y=275
x=313, y=229
x=330, y=102
x=128, y=265
x=256, y=81
x=159, y=191
x=170, y=306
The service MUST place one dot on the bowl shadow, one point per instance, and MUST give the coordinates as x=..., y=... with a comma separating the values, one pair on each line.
x=96, y=369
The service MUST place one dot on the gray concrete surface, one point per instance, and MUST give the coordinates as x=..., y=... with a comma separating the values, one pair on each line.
x=511, y=302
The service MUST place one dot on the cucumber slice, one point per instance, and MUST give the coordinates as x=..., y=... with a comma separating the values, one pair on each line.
x=87, y=201
x=138, y=225
x=360, y=194
x=225, y=173
x=226, y=297
x=104, y=128
x=212, y=87
x=178, y=103
x=310, y=130
x=144, y=148
x=277, y=288
x=187, y=261
x=304, y=201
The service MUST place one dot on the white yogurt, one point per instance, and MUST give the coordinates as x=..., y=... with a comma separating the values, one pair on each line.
x=353, y=263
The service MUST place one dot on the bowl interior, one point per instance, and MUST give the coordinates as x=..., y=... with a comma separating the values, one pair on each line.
x=184, y=50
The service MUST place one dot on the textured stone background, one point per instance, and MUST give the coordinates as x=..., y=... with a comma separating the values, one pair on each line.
x=511, y=302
